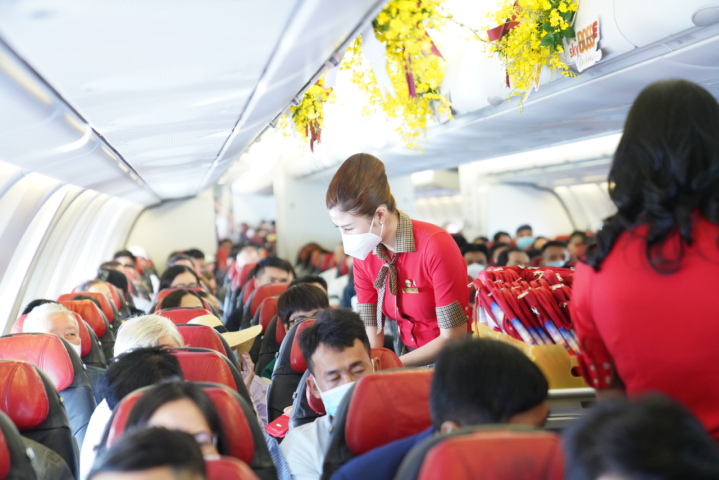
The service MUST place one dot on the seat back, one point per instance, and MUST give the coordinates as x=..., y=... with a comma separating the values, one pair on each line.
x=263, y=293
x=245, y=440
x=247, y=290
x=245, y=273
x=228, y=468
x=181, y=316
x=105, y=305
x=96, y=319
x=204, y=365
x=263, y=317
x=29, y=399
x=377, y=410
x=17, y=326
x=285, y=376
x=202, y=336
x=486, y=454
x=270, y=347
x=63, y=366
x=14, y=461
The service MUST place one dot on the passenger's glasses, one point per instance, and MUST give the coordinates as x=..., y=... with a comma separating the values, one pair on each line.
x=205, y=439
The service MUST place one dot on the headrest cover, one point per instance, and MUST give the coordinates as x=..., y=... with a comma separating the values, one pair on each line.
x=180, y=316
x=387, y=359
x=104, y=303
x=268, y=310
x=22, y=394
x=4, y=456
x=228, y=468
x=85, y=340
x=245, y=272
x=201, y=336
x=45, y=351
x=398, y=398
x=264, y=292
x=17, y=326
x=90, y=313
x=205, y=367
x=498, y=455
x=297, y=360
x=249, y=288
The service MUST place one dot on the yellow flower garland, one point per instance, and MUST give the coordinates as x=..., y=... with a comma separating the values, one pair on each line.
x=308, y=116
x=535, y=41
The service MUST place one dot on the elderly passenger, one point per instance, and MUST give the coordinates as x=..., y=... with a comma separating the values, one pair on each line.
x=55, y=319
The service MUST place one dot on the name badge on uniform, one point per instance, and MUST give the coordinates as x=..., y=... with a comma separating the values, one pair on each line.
x=411, y=287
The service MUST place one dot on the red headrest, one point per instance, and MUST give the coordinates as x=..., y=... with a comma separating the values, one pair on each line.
x=249, y=288
x=85, y=340
x=22, y=394
x=163, y=293
x=496, y=455
x=280, y=333
x=115, y=297
x=228, y=468
x=264, y=292
x=45, y=351
x=387, y=358
x=268, y=310
x=235, y=424
x=297, y=361
x=90, y=313
x=180, y=316
x=205, y=367
x=104, y=302
x=388, y=406
x=245, y=272
x=201, y=336
x=4, y=456
x=17, y=326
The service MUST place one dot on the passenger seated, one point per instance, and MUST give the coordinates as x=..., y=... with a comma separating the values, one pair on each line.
x=152, y=454
x=247, y=255
x=125, y=258
x=296, y=304
x=481, y=240
x=475, y=382
x=181, y=406
x=650, y=438
x=179, y=276
x=178, y=258
x=55, y=319
x=36, y=303
x=554, y=254
x=147, y=331
x=182, y=299
x=315, y=280
x=477, y=258
x=97, y=286
x=539, y=243
x=337, y=353
x=525, y=237
x=513, y=257
x=496, y=249
x=576, y=240
x=272, y=270
x=212, y=300
x=501, y=237
x=209, y=281
x=132, y=370
x=198, y=259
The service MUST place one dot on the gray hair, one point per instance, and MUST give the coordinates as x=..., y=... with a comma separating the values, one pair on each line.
x=143, y=332
x=39, y=320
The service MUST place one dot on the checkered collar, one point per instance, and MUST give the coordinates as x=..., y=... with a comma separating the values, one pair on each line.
x=404, y=242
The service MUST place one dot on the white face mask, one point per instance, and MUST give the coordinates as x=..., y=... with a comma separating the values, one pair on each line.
x=332, y=398
x=359, y=246
x=77, y=348
x=473, y=269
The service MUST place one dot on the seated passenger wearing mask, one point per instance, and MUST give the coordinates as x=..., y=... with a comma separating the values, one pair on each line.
x=337, y=353
x=477, y=258
x=649, y=438
x=475, y=382
x=132, y=370
x=294, y=305
x=554, y=254
x=524, y=238
x=152, y=454
x=513, y=257
x=55, y=319
x=273, y=270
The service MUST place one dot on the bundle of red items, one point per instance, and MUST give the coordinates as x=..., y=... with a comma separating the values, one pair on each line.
x=529, y=304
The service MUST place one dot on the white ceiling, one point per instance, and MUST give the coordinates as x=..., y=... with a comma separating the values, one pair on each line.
x=177, y=87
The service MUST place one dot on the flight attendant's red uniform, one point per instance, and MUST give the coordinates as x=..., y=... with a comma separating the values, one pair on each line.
x=658, y=332
x=430, y=284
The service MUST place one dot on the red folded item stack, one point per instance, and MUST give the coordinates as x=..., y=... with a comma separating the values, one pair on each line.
x=529, y=304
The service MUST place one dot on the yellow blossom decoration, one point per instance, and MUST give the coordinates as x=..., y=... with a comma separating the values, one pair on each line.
x=536, y=41
x=414, y=66
x=308, y=116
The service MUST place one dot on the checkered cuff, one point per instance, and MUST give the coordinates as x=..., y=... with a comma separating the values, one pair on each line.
x=368, y=313
x=450, y=316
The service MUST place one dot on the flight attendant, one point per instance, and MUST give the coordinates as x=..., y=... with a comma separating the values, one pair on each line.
x=644, y=302
x=409, y=271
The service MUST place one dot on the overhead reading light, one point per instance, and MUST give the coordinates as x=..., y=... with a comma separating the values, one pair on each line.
x=705, y=17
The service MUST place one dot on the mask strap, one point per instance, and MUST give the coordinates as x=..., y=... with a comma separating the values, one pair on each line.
x=318, y=387
x=371, y=225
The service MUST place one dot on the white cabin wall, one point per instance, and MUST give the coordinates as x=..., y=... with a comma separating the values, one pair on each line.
x=251, y=208
x=176, y=225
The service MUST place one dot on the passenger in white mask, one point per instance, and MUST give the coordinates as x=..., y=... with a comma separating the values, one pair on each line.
x=55, y=319
x=477, y=258
x=337, y=352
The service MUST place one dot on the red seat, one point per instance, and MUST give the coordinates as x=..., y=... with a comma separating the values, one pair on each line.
x=248, y=289
x=14, y=462
x=244, y=436
x=181, y=316
x=383, y=408
x=493, y=455
x=17, y=326
x=387, y=359
x=264, y=292
x=326, y=261
x=90, y=313
x=268, y=310
x=202, y=336
x=280, y=333
x=297, y=360
x=203, y=365
x=244, y=273
x=228, y=468
x=115, y=297
x=102, y=299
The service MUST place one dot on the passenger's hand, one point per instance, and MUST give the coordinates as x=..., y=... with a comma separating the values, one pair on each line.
x=247, y=369
x=288, y=411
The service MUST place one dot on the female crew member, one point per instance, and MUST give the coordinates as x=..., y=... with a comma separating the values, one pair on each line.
x=415, y=273
x=643, y=306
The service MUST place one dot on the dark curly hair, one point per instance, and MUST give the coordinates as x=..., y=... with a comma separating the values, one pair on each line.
x=666, y=167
